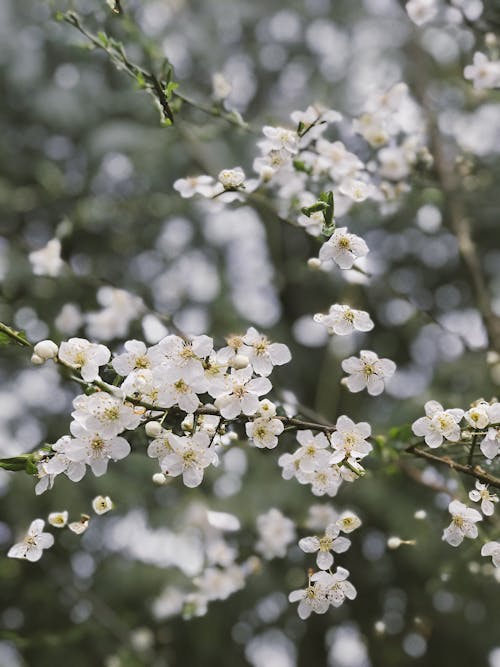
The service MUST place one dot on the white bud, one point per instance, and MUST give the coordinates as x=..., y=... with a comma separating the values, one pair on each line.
x=38, y=361
x=490, y=39
x=394, y=542
x=46, y=349
x=159, y=479
x=233, y=436
x=153, y=429
x=239, y=361
x=379, y=627
x=420, y=515
x=314, y=263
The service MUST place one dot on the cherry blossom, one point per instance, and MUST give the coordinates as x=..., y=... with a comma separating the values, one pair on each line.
x=463, y=523
x=481, y=493
x=276, y=532
x=343, y=248
x=328, y=542
x=32, y=546
x=492, y=549
x=263, y=431
x=344, y=320
x=349, y=440
x=263, y=354
x=242, y=394
x=189, y=457
x=80, y=354
x=438, y=424
x=367, y=371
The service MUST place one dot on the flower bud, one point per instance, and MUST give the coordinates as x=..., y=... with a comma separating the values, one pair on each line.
x=314, y=263
x=37, y=360
x=159, y=479
x=394, y=542
x=153, y=429
x=239, y=361
x=46, y=349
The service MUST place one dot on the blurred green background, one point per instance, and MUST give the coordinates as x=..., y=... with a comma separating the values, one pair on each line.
x=83, y=156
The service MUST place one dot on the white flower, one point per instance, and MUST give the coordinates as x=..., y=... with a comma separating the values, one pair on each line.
x=330, y=541
x=267, y=408
x=102, y=504
x=393, y=163
x=280, y=138
x=421, y=11
x=312, y=598
x=356, y=190
x=325, y=481
x=481, y=493
x=477, y=416
x=47, y=261
x=264, y=355
x=348, y=521
x=220, y=86
x=492, y=549
x=242, y=394
x=483, y=72
x=491, y=443
x=189, y=457
x=231, y=179
x=367, y=371
x=335, y=586
x=312, y=454
x=187, y=187
x=183, y=353
x=344, y=320
x=181, y=386
x=58, y=519
x=79, y=527
x=32, y=546
x=438, y=424
x=94, y=449
x=134, y=357
x=463, y=523
x=105, y=413
x=276, y=532
x=59, y=462
x=343, y=248
x=87, y=357
x=349, y=440
x=263, y=432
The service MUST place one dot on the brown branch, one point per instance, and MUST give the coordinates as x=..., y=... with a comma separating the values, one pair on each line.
x=473, y=471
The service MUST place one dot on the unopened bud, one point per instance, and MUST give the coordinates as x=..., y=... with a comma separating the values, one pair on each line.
x=420, y=515
x=239, y=361
x=159, y=479
x=46, y=349
x=37, y=360
x=490, y=39
x=314, y=263
x=153, y=429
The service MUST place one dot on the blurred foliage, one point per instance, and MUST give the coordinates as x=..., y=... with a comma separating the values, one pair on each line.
x=83, y=157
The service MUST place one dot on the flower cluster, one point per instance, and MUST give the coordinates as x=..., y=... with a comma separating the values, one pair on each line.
x=314, y=462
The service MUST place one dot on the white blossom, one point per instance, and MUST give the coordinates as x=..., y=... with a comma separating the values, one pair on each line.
x=313, y=453
x=488, y=500
x=79, y=353
x=492, y=549
x=242, y=394
x=344, y=320
x=335, y=586
x=135, y=356
x=105, y=413
x=324, y=545
x=463, y=523
x=312, y=598
x=264, y=432
x=92, y=448
x=102, y=504
x=490, y=444
x=484, y=73
x=367, y=371
x=202, y=185
x=276, y=532
x=349, y=440
x=343, y=248
x=438, y=424
x=264, y=355
x=58, y=519
x=189, y=457
x=422, y=11
x=32, y=546
x=47, y=261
